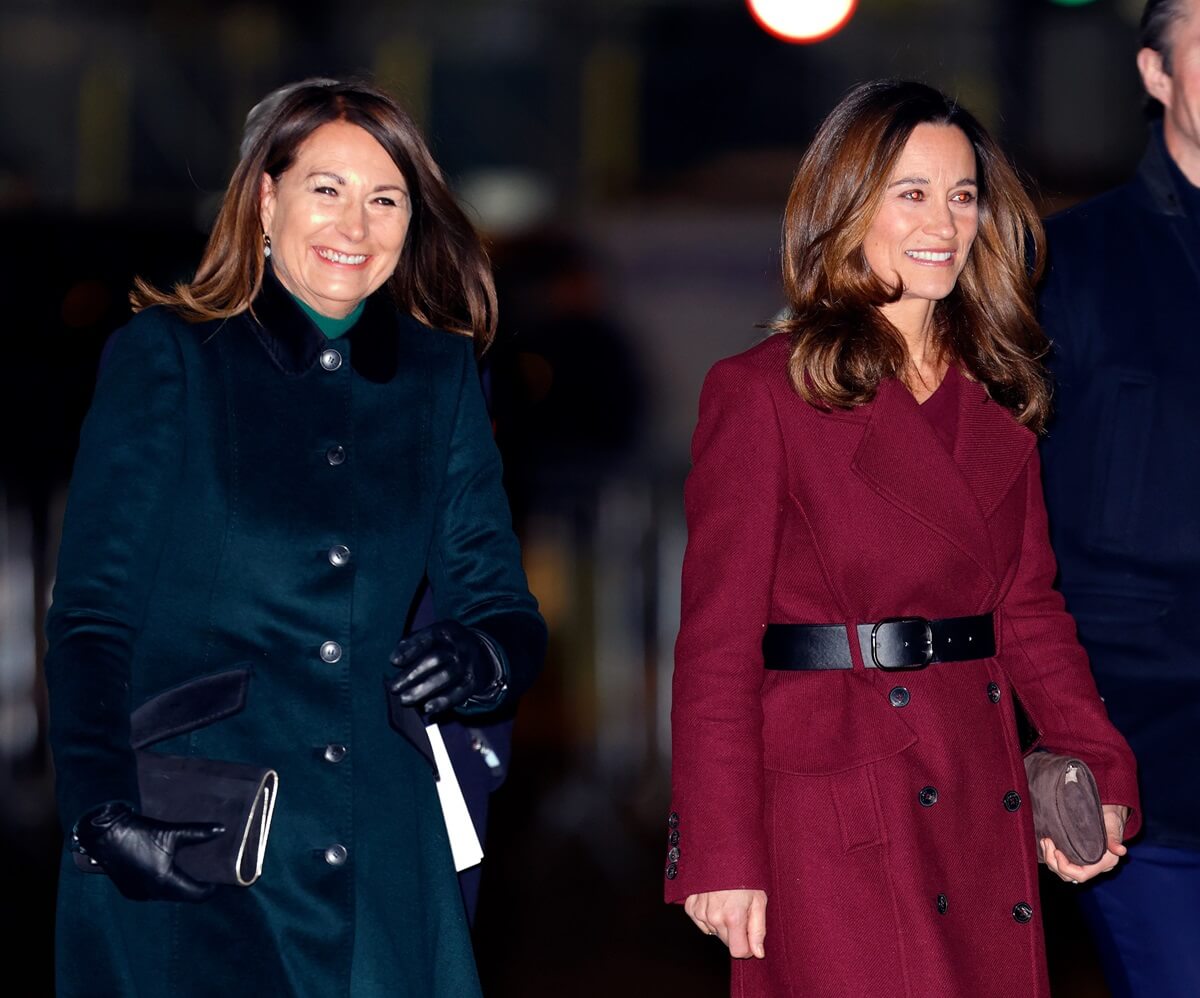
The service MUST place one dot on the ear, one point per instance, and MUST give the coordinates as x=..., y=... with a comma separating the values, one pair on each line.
x=266, y=201
x=1155, y=79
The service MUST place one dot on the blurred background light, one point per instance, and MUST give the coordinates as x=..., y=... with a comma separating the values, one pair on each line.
x=1072, y=3
x=802, y=20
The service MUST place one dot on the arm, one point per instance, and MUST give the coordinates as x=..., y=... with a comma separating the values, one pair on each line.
x=734, y=499
x=127, y=470
x=1049, y=668
x=474, y=563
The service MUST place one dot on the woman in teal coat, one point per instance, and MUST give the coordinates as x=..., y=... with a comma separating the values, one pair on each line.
x=277, y=454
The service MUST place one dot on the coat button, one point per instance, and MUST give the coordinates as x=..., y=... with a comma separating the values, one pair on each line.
x=336, y=854
x=942, y=904
x=331, y=652
x=673, y=854
x=336, y=455
x=1022, y=912
x=672, y=871
x=673, y=819
x=928, y=796
x=335, y=753
x=993, y=692
x=1012, y=801
x=898, y=696
x=673, y=838
x=339, y=555
x=331, y=360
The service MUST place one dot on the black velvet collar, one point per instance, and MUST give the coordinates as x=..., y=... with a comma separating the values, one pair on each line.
x=294, y=342
x=1156, y=174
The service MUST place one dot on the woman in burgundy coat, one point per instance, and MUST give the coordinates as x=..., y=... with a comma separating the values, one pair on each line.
x=867, y=590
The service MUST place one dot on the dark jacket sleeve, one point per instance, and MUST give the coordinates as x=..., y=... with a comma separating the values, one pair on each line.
x=128, y=467
x=474, y=564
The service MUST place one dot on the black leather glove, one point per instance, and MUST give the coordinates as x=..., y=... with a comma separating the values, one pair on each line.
x=446, y=665
x=138, y=853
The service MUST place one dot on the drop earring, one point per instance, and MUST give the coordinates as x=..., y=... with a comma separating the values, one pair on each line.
x=266, y=245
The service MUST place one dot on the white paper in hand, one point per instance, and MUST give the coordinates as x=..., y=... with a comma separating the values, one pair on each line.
x=464, y=841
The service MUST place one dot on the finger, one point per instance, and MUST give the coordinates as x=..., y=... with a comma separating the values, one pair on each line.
x=412, y=648
x=694, y=909
x=451, y=698
x=735, y=933
x=414, y=670
x=194, y=833
x=756, y=927
x=422, y=690
x=180, y=887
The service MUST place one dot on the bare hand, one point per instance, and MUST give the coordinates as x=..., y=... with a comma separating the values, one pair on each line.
x=1115, y=816
x=739, y=918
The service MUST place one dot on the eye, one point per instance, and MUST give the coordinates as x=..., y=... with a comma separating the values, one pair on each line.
x=386, y=202
x=913, y=195
x=963, y=197
x=325, y=190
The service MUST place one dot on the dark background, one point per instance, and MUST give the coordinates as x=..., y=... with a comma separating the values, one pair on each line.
x=629, y=160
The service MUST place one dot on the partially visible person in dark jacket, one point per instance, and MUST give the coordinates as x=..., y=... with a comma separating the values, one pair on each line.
x=278, y=452
x=1122, y=306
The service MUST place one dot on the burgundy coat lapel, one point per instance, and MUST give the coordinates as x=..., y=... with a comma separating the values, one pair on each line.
x=991, y=448
x=901, y=457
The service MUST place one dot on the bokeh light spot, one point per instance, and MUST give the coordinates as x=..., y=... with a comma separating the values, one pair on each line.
x=802, y=20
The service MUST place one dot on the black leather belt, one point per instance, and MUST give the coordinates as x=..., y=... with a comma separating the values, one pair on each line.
x=894, y=643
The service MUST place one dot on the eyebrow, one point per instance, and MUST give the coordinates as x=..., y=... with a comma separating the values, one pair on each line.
x=964, y=182
x=342, y=180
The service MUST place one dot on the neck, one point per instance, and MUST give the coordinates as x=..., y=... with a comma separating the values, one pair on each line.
x=913, y=318
x=1185, y=155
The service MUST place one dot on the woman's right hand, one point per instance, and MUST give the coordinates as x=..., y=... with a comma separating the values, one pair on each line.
x=739, y=918
x=138, y=853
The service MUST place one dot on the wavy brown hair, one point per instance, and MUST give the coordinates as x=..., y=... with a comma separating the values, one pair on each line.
x=443, y=277
x=842, y=345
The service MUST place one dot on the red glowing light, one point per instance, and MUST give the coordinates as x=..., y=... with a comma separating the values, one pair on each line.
x=804, y=21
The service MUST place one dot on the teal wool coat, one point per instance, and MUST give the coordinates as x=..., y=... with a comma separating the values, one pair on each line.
x=218, y=467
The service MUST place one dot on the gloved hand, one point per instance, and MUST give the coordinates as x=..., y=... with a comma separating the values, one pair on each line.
x=138, y=853
x=443, y=666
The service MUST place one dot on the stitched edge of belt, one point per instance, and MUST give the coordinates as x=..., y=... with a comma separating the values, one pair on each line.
x=893, y=643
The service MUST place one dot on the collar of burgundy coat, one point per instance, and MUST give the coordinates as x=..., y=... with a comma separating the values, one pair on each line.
x=901, y=458
x=294, y=342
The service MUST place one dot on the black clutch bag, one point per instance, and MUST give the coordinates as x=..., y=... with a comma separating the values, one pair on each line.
x=183, y=788
x=1066, y=806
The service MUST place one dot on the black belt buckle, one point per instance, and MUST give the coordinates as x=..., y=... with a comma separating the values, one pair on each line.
x=903, y=621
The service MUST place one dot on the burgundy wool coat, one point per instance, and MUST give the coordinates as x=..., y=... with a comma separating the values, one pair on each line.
x=808, y=784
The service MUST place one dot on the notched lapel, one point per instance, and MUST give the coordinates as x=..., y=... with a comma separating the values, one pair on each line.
x=901, y=457
x=991, y=448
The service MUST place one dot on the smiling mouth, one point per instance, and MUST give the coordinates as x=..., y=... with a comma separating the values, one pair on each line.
x=333, y=256
x=930, y=256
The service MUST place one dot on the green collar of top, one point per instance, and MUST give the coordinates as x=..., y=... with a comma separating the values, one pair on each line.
x=332, y=328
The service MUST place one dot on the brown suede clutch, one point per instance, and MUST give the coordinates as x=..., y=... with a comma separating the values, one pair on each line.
x=1066, y=806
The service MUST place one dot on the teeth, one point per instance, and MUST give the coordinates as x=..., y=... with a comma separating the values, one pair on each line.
x=928, y=256
x=335, y=257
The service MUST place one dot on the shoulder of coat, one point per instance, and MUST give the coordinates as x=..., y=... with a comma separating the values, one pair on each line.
x=1094, y=212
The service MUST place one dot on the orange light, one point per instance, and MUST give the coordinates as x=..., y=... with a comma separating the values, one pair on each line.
x=802, y=20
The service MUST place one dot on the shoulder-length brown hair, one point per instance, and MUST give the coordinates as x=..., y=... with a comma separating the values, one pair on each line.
x=443, y=277
x=842, y=345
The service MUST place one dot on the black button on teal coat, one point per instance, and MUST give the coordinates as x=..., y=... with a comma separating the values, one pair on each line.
x=202, y=513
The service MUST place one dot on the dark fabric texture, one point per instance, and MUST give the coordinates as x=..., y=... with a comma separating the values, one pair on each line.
x=219, y=466
x=1121, y=303
x=856, y=797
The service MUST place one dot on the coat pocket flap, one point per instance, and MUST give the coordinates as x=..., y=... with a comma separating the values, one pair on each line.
x=191, y=705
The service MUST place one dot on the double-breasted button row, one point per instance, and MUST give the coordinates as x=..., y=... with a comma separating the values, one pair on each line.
x=331, y=360
x=331, y=652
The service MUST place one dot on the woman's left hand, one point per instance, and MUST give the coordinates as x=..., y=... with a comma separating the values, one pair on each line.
x=1115, y=816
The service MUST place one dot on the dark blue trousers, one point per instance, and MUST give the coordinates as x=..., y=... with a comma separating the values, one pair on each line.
x=1145, y=919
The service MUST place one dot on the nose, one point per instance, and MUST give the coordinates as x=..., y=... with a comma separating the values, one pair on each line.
x=352, y=222
x=940, y=221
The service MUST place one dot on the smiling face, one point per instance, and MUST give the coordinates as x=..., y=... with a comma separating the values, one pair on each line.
x=923, y=231
x=337, y=218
